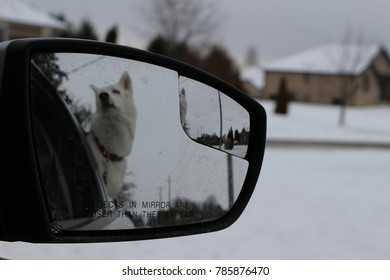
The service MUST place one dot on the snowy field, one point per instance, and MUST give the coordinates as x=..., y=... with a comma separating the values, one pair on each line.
x=309, y=203
x=319, y=122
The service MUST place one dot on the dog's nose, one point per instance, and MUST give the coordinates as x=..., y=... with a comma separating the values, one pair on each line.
x=104, y=97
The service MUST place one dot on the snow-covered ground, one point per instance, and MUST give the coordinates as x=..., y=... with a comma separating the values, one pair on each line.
x=309, y=203
x=321, y=122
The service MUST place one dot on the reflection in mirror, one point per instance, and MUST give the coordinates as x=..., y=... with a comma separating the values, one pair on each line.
x=212, y=118
x=130, y=117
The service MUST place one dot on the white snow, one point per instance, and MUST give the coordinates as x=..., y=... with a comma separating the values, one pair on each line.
x=309, y=203
x=328, y=59
x=254, y=75
x=321, y=122
x=16, y=11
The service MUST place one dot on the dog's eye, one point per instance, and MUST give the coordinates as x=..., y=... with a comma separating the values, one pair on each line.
x=116, y=91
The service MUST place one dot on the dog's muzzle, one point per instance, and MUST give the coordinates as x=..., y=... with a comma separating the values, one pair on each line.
x=105, y=99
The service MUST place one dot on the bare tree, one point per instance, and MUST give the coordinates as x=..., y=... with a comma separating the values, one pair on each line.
x=348, y=59
x=252, y=57
x=180, y=21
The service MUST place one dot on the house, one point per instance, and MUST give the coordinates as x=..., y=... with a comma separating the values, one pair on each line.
x=19, y=20
x=332, y=74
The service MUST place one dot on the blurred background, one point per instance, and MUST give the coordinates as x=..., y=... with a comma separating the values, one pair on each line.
x=321, y=69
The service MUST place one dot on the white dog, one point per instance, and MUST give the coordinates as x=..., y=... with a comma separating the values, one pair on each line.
x=113, y=130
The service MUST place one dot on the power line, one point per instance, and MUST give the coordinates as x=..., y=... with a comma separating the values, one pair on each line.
x=85, y=65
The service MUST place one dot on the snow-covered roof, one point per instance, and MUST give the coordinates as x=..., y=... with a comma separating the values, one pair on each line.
x=329, y=59
x=16, y=11
x=254, y=75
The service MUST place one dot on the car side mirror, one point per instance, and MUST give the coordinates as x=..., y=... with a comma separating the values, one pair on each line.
x=110, y=143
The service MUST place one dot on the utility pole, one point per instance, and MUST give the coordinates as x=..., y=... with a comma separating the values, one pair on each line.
x=169, y=188
x=220, y=120
x=230, y=180
x=160, y=193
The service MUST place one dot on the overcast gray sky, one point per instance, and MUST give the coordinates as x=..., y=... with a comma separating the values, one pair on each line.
x=274, y=27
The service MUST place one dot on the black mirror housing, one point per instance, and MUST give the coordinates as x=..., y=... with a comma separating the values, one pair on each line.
x=30, y=114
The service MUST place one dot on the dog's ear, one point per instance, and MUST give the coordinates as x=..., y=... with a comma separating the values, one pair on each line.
x=125, y=80
x=95, y=89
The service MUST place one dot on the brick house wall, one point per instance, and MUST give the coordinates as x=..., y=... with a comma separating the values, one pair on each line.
x=371, y=86
x=20, y=20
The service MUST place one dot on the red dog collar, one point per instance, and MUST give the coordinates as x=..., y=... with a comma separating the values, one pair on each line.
x=106, y=154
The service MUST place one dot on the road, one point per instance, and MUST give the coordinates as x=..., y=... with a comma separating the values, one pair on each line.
x=288, y=143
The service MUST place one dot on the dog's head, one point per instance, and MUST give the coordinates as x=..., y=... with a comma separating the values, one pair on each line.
x=115, y=97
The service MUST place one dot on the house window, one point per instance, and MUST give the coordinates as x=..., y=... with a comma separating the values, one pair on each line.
x=366, y=83
x=307, y=78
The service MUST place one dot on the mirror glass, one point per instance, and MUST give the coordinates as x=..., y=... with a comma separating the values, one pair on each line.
x=212, y=118
x=167, y=150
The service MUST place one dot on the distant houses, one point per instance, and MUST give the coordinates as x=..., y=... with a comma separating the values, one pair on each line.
x=332, y=74
x=19, y=20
